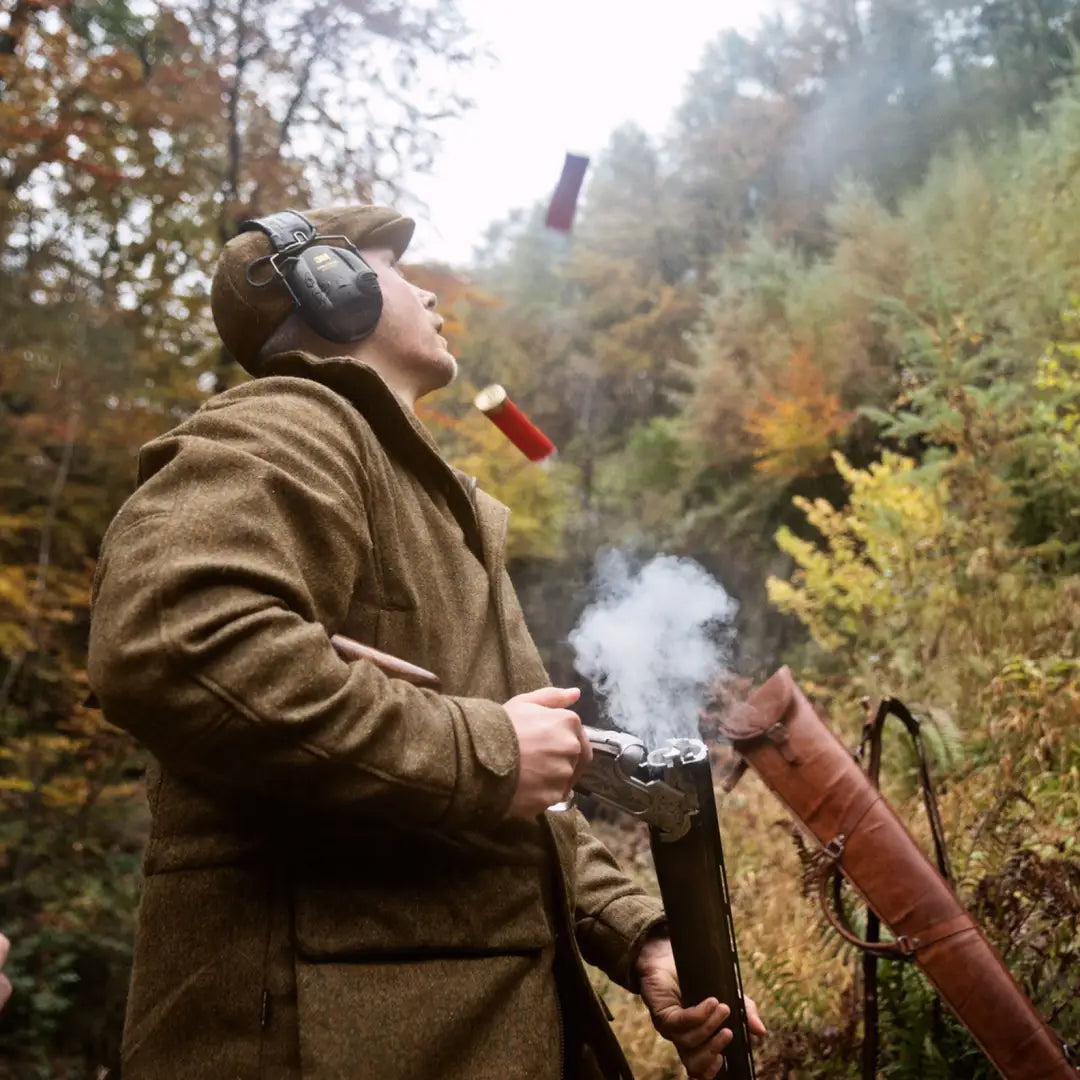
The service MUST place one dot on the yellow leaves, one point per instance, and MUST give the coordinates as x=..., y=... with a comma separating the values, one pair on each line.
x=14, y=587
x=15, y=603
x=65, y=773
x=19, y=785
x=538, y=495
x=795, y=428
x=880, y=552
x=58, y=597
x=1058, y=377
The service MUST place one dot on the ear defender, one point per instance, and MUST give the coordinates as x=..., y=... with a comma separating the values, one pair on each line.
x=334, y=289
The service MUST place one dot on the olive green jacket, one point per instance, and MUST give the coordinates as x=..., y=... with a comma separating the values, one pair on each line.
x=332, y=887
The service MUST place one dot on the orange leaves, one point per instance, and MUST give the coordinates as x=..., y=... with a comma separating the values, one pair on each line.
x=82, y=114
x=456, y=294
x=795, y=428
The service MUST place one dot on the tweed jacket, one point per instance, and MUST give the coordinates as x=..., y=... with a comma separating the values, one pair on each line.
x=332, y=887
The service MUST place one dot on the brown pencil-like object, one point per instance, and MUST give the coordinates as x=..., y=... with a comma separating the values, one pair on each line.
x=393, y=666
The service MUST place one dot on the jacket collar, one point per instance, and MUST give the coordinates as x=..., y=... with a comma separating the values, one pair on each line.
x=396, y=427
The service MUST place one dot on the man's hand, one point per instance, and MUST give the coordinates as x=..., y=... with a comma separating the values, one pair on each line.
x=5, y=982
x=553, y=748
x=696, y=1032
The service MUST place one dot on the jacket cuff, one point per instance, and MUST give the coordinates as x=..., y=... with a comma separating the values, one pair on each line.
x=617, y=933
x=657, y=929
x=488, y=760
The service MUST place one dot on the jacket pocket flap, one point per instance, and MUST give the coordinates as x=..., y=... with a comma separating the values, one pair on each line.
x=472, y=911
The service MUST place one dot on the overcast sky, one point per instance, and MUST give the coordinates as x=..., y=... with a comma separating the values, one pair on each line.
x=565, y=74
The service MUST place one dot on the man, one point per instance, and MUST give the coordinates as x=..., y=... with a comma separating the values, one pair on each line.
x=348, y=876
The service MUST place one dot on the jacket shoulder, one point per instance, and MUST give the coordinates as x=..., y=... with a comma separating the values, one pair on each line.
x=283, y=418
x=283, y=427
x=284, y=399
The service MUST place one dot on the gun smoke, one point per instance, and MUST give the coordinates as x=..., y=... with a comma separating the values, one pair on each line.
x=652, y=643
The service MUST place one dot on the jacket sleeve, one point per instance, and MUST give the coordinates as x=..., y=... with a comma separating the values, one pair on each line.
x=613, y=916
x=208, y=636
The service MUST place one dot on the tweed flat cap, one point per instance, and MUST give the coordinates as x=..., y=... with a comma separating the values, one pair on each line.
x=246, y=315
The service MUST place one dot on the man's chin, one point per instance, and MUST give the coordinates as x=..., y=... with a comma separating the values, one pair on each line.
x=446, y=367
x=440, y=372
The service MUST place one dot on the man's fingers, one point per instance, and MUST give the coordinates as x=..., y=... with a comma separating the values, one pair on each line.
x=5, y=945
x=553, y=697
x=705, y=1062
x=693, y=1026
x=586, y=754
x=753, y=1018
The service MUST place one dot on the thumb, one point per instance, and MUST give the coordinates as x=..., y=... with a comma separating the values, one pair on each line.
x=552, y=697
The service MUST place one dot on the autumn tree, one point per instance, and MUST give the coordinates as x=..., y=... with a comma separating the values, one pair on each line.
x=133, y=140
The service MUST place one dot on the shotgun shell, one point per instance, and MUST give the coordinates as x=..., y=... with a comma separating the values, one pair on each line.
x=495, y=404
x=560, y=215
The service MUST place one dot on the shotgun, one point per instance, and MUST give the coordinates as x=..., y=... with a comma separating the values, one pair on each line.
x=671, y=790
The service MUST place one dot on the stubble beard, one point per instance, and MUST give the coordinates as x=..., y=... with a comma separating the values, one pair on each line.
x=436, y=373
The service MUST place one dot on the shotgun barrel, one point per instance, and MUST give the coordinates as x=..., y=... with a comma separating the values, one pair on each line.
x=692, y=877
x=671, y=790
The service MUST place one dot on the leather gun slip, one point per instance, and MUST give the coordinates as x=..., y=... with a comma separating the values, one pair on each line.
x=778, y=733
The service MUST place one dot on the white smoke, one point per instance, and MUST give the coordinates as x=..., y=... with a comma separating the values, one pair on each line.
x=652, y=642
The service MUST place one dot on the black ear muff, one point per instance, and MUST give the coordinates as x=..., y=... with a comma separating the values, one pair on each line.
x=336, y=291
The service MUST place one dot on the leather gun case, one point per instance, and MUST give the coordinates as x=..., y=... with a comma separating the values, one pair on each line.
x=778, y=733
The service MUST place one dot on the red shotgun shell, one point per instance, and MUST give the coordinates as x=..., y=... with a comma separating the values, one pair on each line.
x=496, y=405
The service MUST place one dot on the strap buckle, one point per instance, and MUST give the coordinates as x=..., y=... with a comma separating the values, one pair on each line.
x=778, y=736
x=907, y=945
x=834, y=849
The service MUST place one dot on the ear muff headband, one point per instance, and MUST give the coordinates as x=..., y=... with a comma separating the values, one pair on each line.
x=334, y=289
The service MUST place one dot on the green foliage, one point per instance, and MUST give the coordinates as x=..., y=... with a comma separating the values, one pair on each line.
x=889, y=544
x=1046, y=470
x=837, y=300
x=919, y=591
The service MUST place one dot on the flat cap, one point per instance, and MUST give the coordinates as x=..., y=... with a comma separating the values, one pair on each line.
x=246, y=315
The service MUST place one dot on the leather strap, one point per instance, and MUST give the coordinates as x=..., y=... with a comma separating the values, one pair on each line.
x=903, y=948
x=286, y=229
x=849, y=822
x=897, y=950
x=871, y=740
x=942, y=930
x=871, y=737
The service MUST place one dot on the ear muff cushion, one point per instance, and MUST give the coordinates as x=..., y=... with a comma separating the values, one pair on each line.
x=337, y=292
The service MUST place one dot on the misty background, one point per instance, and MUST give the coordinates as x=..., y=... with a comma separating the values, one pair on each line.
x=815, y=335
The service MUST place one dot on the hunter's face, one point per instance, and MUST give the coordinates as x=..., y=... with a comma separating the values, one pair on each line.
x=407, y=333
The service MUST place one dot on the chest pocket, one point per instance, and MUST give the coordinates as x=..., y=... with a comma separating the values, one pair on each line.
x=428, y=598
x=382, y=586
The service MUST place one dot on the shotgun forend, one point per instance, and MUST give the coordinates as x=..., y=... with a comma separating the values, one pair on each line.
x=671, y=789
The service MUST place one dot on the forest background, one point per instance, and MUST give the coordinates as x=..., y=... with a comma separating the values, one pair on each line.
x=823, y=337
